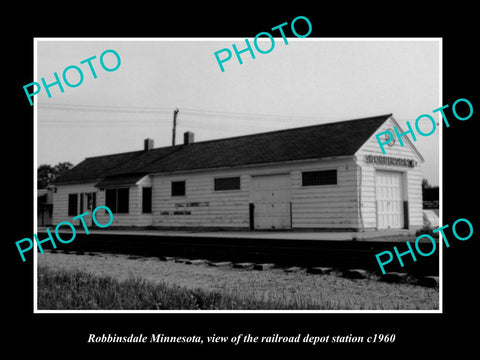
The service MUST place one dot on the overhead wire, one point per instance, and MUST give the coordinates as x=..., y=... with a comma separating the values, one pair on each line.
x=187, y=117
x=252, y=116
x=188, y=111
x=101, y=108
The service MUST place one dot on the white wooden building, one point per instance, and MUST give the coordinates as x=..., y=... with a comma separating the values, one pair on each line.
x=323, y=177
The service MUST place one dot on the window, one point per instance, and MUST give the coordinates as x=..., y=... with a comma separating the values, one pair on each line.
x=81, y=203
x=88, y=201
x=91, y=201
x=230, y=183
x=324, y=177
x=178, y=188
x=122, y=200
x=72, y=204
x=111, y=199
x=117, y=200
x=147, y=200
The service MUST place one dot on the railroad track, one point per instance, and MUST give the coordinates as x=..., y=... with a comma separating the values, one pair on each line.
x=286, y=253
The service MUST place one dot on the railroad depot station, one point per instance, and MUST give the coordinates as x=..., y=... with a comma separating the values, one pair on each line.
x=328, y=177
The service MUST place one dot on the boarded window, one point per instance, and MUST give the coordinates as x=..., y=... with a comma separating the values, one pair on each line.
x=72, y=204
x=178, y=188
x=230, y=183
x=324, y=177
x=117, y=200
x=147, y=200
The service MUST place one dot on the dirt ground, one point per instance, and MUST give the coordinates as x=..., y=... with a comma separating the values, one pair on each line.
x=350, y=294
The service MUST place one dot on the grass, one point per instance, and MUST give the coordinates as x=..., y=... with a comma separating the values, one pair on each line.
x=76, y=290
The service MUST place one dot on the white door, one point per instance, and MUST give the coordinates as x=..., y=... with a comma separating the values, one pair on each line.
x=389, y=195
x=271, y=197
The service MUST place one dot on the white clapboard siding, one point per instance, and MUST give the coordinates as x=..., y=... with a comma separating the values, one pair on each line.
x=133, y=218
x=312, y=207
x=60, y=201
x=326, y=206
x=205, y=207
x=412, y=178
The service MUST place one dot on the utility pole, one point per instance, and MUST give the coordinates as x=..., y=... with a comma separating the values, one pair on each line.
x=175, y=112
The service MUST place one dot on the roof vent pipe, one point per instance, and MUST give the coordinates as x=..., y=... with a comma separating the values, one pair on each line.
x=148, y=144
x=188, y=138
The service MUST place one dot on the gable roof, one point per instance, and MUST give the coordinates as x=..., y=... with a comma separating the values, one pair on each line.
x=407, y=139
x=310, y=142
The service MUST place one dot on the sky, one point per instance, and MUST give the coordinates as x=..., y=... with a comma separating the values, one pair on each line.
x=309, y=81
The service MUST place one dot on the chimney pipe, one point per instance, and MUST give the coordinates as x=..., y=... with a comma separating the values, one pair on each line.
x=148, y=144
x=188, y=138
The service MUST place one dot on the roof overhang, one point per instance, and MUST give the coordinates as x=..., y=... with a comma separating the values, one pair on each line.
x=120, y=180
x=254, y=165
x=408, y=140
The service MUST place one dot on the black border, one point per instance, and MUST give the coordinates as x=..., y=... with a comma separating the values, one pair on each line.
x=415, y=333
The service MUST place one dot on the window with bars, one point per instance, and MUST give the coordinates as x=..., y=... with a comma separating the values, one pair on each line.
x=322, y=177
x=228, y=183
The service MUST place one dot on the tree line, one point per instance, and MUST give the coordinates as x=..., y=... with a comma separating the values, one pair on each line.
x=47, y=174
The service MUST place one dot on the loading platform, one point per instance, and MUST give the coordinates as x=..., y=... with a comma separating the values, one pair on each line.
x=342, y=250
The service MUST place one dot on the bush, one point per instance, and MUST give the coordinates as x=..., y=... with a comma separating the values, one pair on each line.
x=426, y=230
